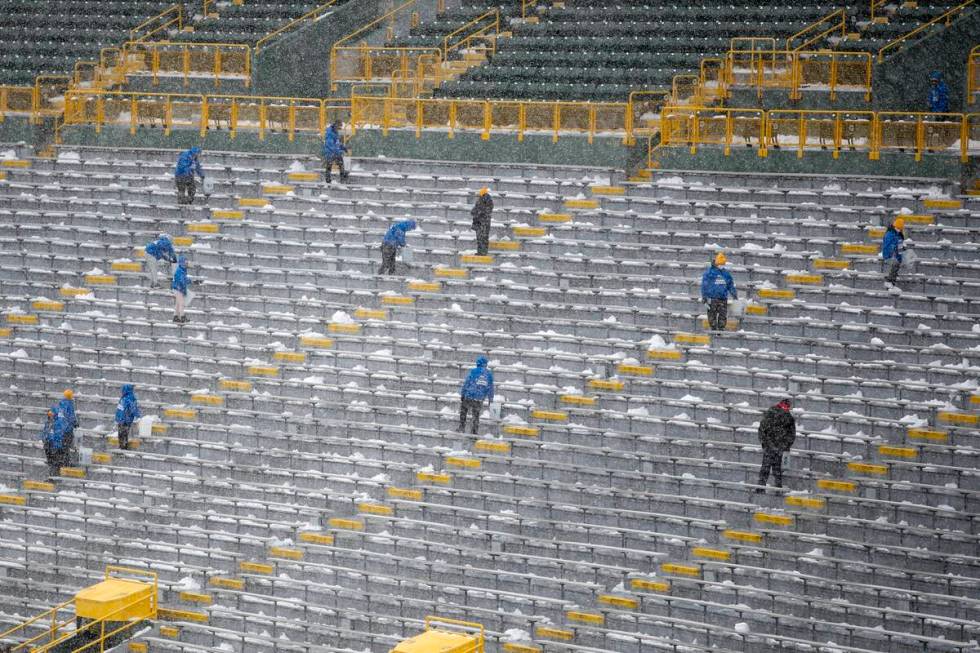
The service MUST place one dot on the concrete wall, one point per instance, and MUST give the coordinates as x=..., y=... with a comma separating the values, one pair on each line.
x=892, y=164
x=902, y=81
x=298, y=63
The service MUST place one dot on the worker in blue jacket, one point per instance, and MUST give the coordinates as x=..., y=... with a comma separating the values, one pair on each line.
x=717, y=286
x=393, y=241
x=188, y=165
x=53, y=439
x=938, y=93
x=892, y=245
x=180, y=285
x=477, y=388
x=127, y=412
x=159, y=253
x=333, y=152
x=65, y=412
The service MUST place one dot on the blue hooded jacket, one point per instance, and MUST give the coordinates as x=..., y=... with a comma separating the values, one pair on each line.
x=891, y=244
x=65, y=410
x=717, y=283
x=180, y=281
x=396, y=234
x=188, y=164
x=479, y=383
x=128, y=409
x=162, y=248
x=333, y=146
x=53, y=434
x=938, y=94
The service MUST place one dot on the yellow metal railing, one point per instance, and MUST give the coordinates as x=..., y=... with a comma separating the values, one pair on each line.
x=366, y=63
x=184, y=61
x=49, y=92
x=973, y=75
x=643, y=112
x=166, y=19
x=480, y=33
x=807, y=130
x=345, y=65
x=487, y=117
x=525, y=5
x=796, y=70
x=875, y=6
x=832, y=22
x=946, y=18
x=18, y=100
x=58, y=633
x=308, y=17
x=230, y=113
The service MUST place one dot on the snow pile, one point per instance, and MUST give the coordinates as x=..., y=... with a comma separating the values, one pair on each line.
x=69, y=157
x=340, y=317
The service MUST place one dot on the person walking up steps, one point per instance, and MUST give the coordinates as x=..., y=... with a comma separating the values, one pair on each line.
x=482, y=213
x=127, y=412
x=180, y=287
x=477, y=388
x=393, y=241
x=777, y=432
x=159, y=253
x=717, y=286
x=188, y=165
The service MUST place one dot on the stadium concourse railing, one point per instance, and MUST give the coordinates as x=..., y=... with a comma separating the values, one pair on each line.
x=795, y=70
x=226, y=113
x=818, y=130
x=487, y=117
x=973, y=75
x=185, y=61
x=924, y=30
x=835, y=21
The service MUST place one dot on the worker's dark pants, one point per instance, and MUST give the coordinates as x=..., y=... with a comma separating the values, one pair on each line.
x=55, y=459
x=473, y=407
x=328, y=163
x=388, y=259
x=186, y=187
x=717, y=314
x=892, y=266
x=772, y=459
x=124, y=435
x=483, y=239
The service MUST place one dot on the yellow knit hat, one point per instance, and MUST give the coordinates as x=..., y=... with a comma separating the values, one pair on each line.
x=899, y=223
x=720, y=258
x=484, y=191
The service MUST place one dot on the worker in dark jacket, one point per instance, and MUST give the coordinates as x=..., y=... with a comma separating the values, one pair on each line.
x=333, y=152
x=482, y=212
x=717, y=286
x=127, y=412
x=65, y=411
x=477, y=388
x=393, y=241
x=777, y=432
x=892, y=245
x=180, y=285
x=188, y=165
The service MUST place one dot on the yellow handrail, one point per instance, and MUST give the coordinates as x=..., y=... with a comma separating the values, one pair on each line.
x=218, y=59
x=797, y=68
x=170, y=16
x=973, y=74
x=874, y=8
x=822, y=26
x=308, y=16
x=516, y=117
x=525, y=5
x=946, y=17
x=241, y=112
x=802, y=130
x=361, y=30
x=494, y=25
